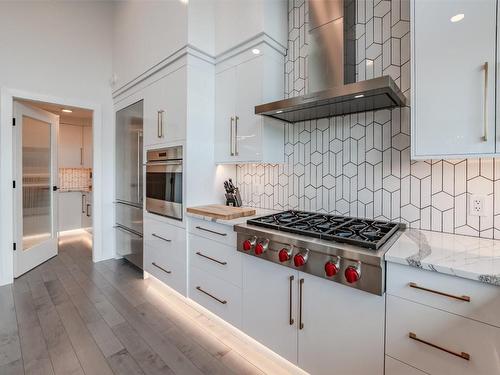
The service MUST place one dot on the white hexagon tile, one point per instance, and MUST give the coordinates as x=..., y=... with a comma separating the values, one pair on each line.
x=359, y=164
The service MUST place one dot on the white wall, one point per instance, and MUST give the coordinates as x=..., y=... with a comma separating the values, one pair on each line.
x=240, y=20
x=60, y=49
x=159, y=28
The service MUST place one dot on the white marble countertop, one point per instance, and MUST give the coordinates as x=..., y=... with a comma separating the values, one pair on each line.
x=259, y=212
x=463, y=256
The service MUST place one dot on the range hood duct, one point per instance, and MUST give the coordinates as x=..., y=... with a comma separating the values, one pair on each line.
x=332, y=71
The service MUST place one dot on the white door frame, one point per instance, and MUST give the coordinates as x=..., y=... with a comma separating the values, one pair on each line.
x=7, y=97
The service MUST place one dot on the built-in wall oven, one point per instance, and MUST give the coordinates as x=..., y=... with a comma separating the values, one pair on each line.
x=164, y=182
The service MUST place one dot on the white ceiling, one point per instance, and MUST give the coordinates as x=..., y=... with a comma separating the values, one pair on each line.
x=79, y=116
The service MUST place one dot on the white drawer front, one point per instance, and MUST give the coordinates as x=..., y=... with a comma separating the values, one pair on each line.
x=219, y=260
x=395, y=367
x=170, y=271
x=216, y=295
x=214, y=231
x=167, y=239
x=484, y=304
x=448, y=331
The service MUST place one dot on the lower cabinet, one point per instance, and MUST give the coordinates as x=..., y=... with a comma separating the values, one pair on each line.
x=438, y=342
x=215, y=294
x=321, y=326
x=270, y=305
x=165, y=253
x=395, y=367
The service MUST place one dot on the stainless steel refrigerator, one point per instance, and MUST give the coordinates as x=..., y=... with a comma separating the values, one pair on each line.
x=129, y=181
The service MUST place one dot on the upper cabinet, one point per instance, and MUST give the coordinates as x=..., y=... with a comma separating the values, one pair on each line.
x=75, y=146
x=165, y=104
x=453, y=78
x=241, y=83
x=87, y=147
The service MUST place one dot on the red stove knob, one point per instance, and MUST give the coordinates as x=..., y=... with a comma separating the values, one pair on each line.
x=248, y=244
x=301, y=258
x=332, y=267
x=261, y=247
x=352, y=274
x=285, y=254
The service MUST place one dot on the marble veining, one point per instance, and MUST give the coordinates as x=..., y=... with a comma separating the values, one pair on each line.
x=463, y=256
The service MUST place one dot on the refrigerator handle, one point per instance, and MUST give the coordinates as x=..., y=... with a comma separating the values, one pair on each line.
x=139, y=165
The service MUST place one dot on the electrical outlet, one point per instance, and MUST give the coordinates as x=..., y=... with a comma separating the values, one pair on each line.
x=477, y=205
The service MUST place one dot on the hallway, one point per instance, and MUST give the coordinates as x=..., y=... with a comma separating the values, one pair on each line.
x=72, y=316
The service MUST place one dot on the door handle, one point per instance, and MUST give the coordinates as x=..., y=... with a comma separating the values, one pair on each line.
x=161, y=268
x=301, y=283
x=462, y=355
x=159, y=121
x=81, y=155
x=139, y=151
x=161, y=238
x=211, y=295
x=231, y=144
x=83, y=203
x=87, y=210
x=290, y=318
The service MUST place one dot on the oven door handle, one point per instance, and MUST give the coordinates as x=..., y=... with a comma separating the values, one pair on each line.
x=166, y=162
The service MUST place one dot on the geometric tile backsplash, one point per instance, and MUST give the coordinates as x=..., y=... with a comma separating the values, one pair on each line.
x=359, y=165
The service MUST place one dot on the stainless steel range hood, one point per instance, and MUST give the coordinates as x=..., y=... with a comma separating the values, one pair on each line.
x=332, y=71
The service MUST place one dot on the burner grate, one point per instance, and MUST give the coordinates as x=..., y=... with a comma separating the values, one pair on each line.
x=361, y=232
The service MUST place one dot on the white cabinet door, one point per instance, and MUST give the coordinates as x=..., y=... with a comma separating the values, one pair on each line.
x=270, y=305
x=87, y=146
x=165, y=109
x=248, y=125
x=70, y=146
x=225, y=109
x=343, y=329
x=453, y=113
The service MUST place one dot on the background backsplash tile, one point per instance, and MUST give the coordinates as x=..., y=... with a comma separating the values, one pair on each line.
x=359, y=165
x=75, y=179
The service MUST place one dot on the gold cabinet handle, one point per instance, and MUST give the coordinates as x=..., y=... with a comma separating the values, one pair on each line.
x=461, y=298
x=485, y=104
x=161, y=268
x=462, y=355
x=236, y=152
x=290, y=318
x=231, y=142
x=211, y=296
x=210, y=258
x=301, y=283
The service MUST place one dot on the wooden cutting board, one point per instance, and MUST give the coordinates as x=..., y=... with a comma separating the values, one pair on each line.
x=219, y=211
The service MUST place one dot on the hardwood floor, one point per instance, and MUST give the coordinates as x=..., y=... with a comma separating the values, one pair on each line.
x=73, y=316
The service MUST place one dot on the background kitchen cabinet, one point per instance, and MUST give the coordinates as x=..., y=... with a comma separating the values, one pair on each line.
x=87, y=146
x=340, y=324
x=86, y=210
x=269, y=301
x=451, y=112
x=241, y=83
x=165, y=109
x=70, y=146
x=75, y=146
x=70, y=208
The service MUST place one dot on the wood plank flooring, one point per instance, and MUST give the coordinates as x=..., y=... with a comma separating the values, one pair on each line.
x=73, y=316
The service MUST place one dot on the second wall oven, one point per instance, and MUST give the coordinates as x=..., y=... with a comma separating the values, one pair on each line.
x=164, y=182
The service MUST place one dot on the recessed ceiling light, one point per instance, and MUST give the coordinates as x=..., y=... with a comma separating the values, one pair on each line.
x=280, y=111
x=256, y=51
x=358, y=96
x=457, y=17
x=67, y=110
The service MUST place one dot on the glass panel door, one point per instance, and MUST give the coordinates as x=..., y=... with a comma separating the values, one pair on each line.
x=35, y=173
x=36, y=182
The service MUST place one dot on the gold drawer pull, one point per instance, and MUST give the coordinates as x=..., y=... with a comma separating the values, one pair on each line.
x=210, y=258
x=461, y=298
x=161, y=268
x=211, y=295
x=462, y=355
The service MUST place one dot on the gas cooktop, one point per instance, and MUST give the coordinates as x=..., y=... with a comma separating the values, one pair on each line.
x=366, y=233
